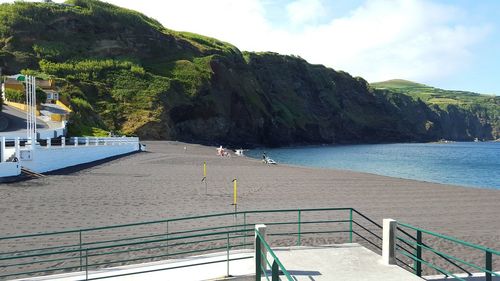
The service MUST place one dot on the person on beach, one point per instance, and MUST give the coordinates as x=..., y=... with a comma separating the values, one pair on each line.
x=222, y=152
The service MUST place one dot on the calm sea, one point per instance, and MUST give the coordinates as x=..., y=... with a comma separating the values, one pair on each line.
x=461, y=163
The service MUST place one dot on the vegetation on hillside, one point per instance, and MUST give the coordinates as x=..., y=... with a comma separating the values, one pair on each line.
x=20, y=97
x=121, y=71
x=485, y=107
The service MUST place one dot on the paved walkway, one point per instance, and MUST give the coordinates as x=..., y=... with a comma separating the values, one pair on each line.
x=17, y=122
x=345, y=262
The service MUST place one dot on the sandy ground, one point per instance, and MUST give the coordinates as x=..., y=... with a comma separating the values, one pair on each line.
x=166, y=182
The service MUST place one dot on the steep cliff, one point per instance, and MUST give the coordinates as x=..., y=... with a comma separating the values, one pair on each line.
x=453, y=115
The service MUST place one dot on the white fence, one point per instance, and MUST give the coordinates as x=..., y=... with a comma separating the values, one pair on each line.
x=66, y=153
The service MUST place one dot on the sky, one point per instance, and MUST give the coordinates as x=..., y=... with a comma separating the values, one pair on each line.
x=450, y=44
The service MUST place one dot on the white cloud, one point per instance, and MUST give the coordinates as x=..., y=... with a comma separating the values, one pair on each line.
x=382, y=39
x=305, y=11
x=391, y=39
x=239, y=22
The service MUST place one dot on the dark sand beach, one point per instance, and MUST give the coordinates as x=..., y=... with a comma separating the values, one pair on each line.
x=166, y=182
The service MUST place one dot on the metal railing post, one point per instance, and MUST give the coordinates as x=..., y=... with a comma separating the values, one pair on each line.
x=245, y=229
x=275, y=272
x=81, y=259
x=350, y=225
x=86, y=265
x=227, y=255
x=258, y=272
x=299, y=226
x=167, y=237
x=489, y=266
x=418, y=254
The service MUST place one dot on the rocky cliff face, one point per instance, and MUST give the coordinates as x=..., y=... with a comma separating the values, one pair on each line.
x=275, y=100
x=431, y=122
x=124, y=72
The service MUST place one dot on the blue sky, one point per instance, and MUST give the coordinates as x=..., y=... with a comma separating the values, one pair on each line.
x=480, y=73
x=451, y=44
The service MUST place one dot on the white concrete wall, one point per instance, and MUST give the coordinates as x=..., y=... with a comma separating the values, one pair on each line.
x=9, y=169
x=52, y=158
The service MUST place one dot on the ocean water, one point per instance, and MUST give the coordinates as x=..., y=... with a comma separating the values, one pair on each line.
x=460, y=163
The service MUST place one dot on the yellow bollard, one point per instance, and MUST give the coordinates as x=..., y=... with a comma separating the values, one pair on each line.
x=235, y=191
x=235, y=202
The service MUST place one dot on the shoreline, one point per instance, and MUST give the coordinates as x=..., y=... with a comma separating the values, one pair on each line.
x=426, y=175
x=374, y=174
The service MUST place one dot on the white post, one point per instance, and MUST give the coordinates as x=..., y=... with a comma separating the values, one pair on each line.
x=87, y=141
x=28, y=107
x=49, y=142
x=34, y=109
x=63, y=141
x=2, y=151
x=261, y=228
x=18, y=148
x=389, y=242
x=76, y=141
x=96, y=141
x=28, y=110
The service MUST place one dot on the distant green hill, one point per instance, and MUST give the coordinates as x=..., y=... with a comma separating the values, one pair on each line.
x=486, y=107
x=396, y=84
x=124, y=72
x=436, y=96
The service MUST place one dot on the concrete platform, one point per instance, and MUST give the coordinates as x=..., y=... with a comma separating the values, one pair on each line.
x=332, y=262
x=340, y=263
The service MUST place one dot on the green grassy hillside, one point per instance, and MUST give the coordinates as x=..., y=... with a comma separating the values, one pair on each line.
x=397, y=84
x=121, y=71
x=486, y=107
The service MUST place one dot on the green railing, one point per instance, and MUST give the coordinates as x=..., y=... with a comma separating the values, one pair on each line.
x=418, y=247
x=260, y=256
x=91, y=249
